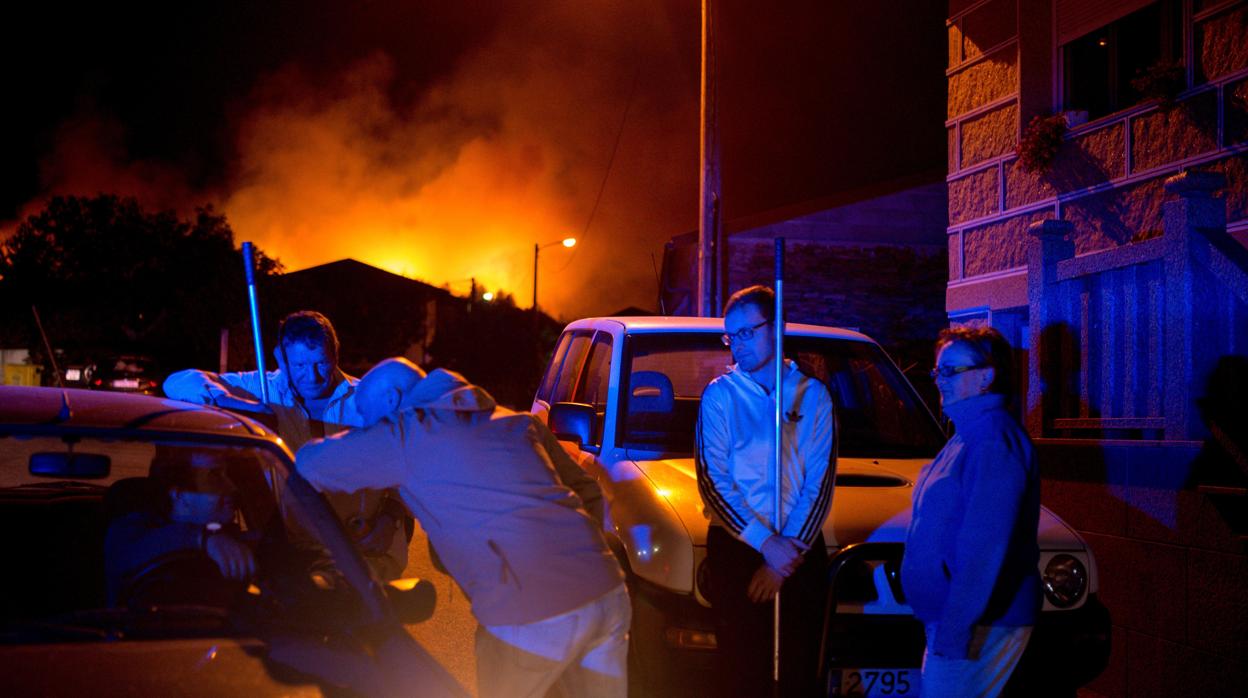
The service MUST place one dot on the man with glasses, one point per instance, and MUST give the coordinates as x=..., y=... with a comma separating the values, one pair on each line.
x=311, y=398
x=750, y=556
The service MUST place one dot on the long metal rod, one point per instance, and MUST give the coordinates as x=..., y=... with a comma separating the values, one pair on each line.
x=47, y=346
x=778, y=393
x=250, y=270
x=709, y=251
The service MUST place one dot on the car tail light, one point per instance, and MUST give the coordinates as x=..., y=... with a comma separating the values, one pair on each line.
x=1065, y=580
x=689, y=639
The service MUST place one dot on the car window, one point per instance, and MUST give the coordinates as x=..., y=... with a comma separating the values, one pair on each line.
x=662, y=389
x=96, y=553
x=574, y=358
x=879, y=413
x=596, y=382
x=552, y=369
x=597, y=374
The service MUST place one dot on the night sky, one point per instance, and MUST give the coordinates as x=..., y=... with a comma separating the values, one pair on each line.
x=441, y=140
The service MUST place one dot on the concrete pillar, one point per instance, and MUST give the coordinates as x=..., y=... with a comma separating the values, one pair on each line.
x=1049, y=244
x=1192, y=211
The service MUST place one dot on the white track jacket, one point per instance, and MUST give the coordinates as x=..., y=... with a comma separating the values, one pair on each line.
x=736, y=462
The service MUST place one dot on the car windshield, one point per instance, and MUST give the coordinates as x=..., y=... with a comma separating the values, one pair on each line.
x=101, y=543
x=879, y=415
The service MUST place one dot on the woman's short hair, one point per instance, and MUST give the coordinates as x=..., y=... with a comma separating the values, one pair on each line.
x=989, y=348
x=759, y=296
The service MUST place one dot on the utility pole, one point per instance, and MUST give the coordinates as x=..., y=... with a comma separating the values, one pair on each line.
x=710, y=249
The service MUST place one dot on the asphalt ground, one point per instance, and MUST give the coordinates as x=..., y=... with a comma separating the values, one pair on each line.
x=448, y=635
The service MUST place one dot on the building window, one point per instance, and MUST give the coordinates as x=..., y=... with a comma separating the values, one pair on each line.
x=1098, y=67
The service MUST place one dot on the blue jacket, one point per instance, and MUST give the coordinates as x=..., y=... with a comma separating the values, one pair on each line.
x=971, y=551
x=486, y=486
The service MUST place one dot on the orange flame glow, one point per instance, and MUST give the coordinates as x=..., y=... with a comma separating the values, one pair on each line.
x=507, y=150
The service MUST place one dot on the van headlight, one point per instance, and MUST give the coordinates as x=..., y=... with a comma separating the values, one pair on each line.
x=1065, y=580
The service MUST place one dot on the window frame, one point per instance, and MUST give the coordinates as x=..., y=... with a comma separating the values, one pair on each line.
x=1176, y=42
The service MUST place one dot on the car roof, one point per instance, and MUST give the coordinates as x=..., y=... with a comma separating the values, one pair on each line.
x=25, y=408
x=643, y=324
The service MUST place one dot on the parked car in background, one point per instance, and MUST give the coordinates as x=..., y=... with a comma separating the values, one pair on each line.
x=127, y=373
x=623, y=394
x=313, y=619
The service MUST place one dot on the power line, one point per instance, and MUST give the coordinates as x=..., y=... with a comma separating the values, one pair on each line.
x=619, y=133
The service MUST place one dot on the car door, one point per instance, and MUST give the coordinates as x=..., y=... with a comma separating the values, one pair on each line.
x=560, y=379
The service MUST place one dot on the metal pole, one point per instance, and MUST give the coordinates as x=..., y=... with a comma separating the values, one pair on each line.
x=249, y=268
x=47, y=346
x=536, y=249
x=778, y=393
x=709, y=177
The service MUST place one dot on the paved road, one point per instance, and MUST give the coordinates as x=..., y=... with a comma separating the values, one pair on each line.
x=448, y=635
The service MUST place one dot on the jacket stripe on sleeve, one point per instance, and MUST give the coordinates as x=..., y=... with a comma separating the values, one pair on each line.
x=819, y=513
x=710, y=494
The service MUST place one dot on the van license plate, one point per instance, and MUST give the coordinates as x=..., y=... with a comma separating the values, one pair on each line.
x=874, y=682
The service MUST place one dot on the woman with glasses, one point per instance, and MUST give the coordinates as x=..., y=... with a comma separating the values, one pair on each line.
x=969, y=570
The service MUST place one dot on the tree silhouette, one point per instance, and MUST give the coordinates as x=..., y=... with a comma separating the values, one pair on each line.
x=109, y=277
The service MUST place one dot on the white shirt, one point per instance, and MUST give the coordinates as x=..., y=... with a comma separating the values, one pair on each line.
x=736, y=456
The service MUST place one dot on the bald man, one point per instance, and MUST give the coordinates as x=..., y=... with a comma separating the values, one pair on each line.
x=397, y=384
x=497, y=496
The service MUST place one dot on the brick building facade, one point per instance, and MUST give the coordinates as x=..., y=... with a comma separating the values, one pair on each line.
x=1118, y=269
x=871, y=259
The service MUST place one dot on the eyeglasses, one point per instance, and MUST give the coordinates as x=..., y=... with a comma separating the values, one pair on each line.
x=744, y=334
x=951, y=371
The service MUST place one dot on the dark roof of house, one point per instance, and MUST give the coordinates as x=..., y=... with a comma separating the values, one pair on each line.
x=344, y=270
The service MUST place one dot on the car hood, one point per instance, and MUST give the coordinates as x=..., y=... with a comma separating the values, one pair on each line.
x=872, y=502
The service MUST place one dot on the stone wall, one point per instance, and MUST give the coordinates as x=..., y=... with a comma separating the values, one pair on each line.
x=892, y=293
x=1220, y=41
x=1107, y=176
x=1172, y=562
x=1171, y=567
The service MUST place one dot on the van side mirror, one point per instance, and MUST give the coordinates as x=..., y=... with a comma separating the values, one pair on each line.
x=573, y=421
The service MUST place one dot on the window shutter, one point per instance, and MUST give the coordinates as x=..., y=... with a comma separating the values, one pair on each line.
x=1078, y=17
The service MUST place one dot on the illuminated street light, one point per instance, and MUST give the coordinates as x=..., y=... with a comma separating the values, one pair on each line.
x=566, y=242
x=487, y=296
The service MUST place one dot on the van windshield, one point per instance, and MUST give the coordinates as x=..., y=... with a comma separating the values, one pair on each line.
x=879, y=415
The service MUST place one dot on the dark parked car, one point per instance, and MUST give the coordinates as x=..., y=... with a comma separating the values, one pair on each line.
x=127, y=374
x=311, y=620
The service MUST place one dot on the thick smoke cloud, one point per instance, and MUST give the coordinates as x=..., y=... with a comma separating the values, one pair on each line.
x=458, y=176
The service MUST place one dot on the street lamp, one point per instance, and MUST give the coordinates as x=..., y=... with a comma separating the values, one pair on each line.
x=566, y=242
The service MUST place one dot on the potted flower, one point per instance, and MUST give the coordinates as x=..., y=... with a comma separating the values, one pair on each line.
x=1162, y=82
x=1040, y=142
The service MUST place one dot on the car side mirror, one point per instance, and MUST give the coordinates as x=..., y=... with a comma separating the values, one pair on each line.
x=573, y=421
x=413, y=599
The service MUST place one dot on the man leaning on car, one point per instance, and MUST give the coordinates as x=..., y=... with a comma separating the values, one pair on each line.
x=311, y=397
x=750, y=556
x=486, y=484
